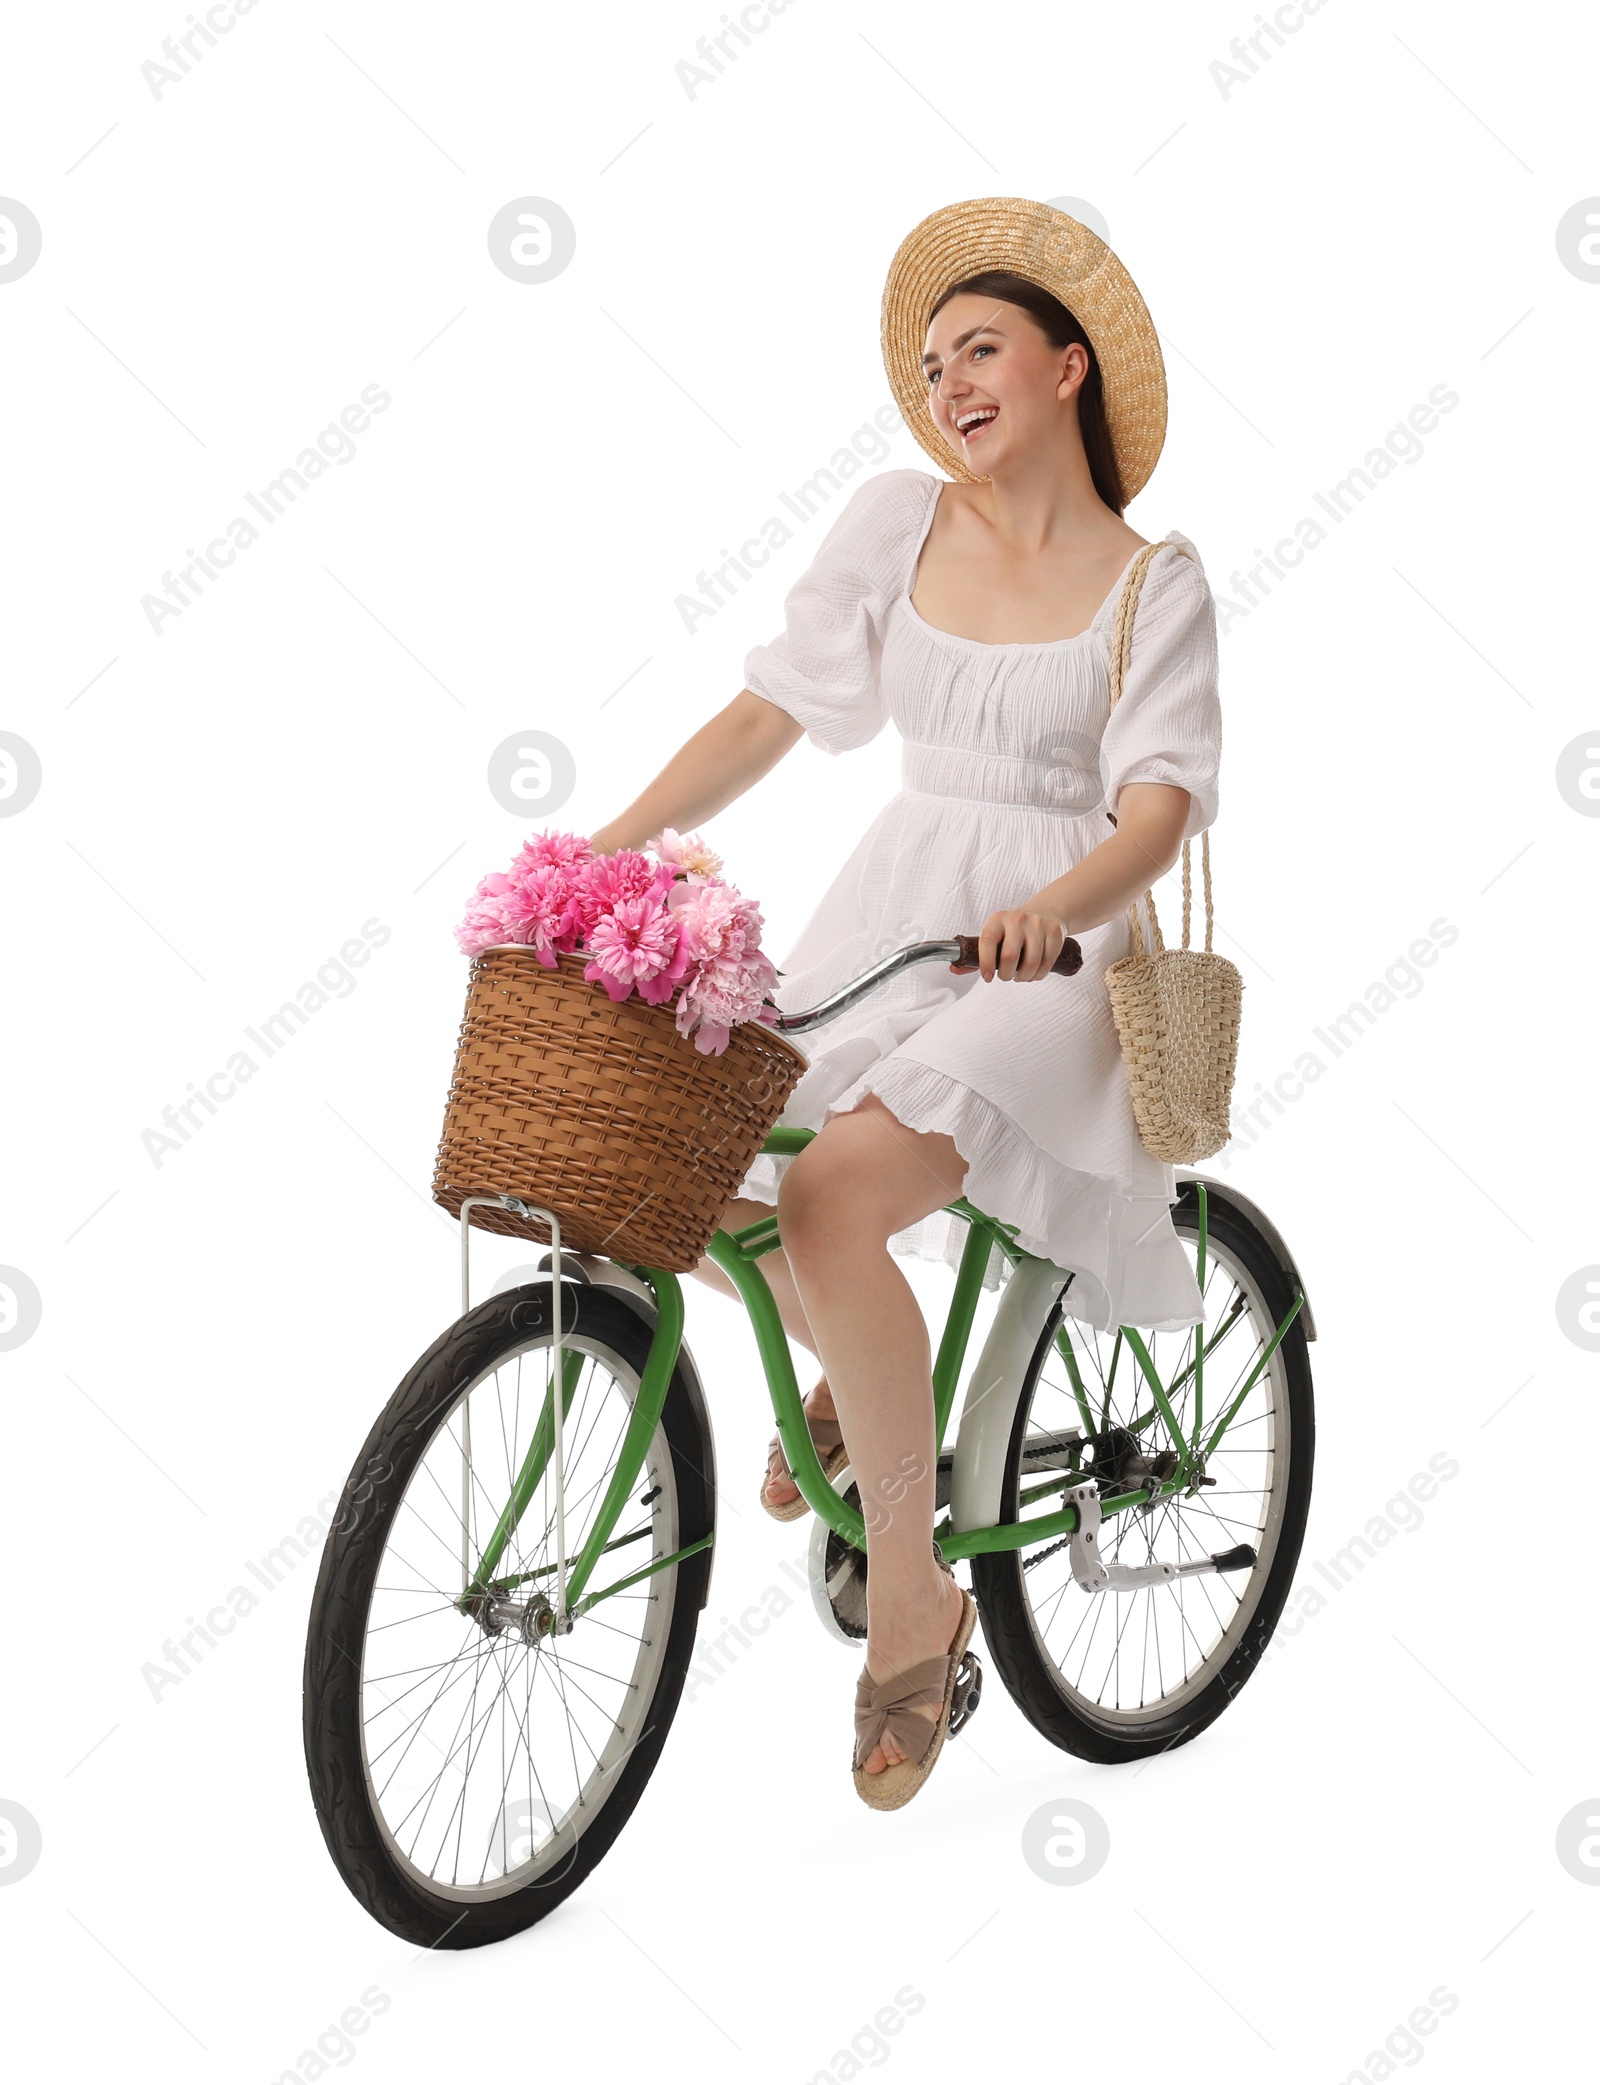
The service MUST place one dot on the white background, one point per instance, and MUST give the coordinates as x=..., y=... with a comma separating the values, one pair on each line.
x=224, y=268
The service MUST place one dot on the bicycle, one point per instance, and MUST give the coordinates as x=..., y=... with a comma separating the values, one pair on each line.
x=468, y=1770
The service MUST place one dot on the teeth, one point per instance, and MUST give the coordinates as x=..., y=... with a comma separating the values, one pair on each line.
x=966, y=420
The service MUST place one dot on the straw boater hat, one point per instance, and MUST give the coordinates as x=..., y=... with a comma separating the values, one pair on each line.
x=1062, y=256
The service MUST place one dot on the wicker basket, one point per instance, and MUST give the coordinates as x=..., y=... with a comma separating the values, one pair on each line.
x=600, y=1110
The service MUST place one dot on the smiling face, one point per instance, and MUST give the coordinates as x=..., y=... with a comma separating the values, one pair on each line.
x=997, y=389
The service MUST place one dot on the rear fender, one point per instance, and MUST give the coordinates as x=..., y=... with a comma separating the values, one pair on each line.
x=997, y=1381
x=1252, y=1213
x=1003, y=1367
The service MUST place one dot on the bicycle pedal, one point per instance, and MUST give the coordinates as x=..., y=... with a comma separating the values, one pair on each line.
x=968, y=1690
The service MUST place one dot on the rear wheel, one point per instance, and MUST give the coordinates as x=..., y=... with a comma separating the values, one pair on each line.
x=468, y=1767
x=1117, y=1675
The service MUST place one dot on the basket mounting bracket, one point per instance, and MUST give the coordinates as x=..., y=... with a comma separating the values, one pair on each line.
x=530, y=1212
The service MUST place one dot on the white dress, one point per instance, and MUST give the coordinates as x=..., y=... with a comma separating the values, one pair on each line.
x=1010, y=759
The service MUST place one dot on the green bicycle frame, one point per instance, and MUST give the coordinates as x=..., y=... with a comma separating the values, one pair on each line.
x=737, y=1254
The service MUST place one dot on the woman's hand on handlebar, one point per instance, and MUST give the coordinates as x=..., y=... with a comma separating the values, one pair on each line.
x=1018, y=945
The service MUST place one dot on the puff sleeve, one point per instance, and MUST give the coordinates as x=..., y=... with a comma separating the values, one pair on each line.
x=823, y=667
x=1167, y=725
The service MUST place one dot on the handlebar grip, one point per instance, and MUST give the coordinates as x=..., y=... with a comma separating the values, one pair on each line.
x=1067, y=964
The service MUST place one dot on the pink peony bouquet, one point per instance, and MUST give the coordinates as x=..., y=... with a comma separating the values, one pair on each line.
x=668, y=927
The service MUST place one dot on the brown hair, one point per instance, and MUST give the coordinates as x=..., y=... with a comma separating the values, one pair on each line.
x=1061, y=329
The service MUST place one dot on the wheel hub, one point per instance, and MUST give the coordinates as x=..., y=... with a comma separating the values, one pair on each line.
x=530, y=1618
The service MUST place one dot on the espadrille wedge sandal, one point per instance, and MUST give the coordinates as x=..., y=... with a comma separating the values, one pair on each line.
x=950, y=1683
x=829, y=1440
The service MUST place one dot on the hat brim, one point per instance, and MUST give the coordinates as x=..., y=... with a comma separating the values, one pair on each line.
x=1061, y=255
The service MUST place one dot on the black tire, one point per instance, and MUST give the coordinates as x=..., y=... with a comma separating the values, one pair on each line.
x=365, y=1851
x=1059, y=1711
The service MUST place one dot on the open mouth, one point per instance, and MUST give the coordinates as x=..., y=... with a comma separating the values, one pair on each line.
x=971, y=424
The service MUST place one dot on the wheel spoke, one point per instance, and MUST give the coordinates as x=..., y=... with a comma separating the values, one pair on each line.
x=461, y=1726
x=1133, y=1654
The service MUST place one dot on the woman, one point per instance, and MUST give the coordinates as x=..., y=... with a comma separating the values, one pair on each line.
x=975, y=611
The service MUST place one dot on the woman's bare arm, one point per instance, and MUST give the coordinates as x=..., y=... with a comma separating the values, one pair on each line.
x=725, y=757
x=1147, y=841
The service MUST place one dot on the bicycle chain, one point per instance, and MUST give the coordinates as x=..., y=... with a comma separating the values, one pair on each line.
x=1029, y=1562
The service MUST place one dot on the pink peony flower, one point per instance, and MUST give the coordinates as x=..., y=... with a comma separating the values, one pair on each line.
x=638, y=944
x=545, y=908
x=568, y=851
x=718, y=921
x=721, y=994
x=493, y=916
x=666, y=928
x=608, y=880
x=686, y=851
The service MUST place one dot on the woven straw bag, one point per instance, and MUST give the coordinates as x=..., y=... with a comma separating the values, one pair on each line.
x=1176, y=1009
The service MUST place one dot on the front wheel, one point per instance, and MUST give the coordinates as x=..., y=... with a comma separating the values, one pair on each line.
x=469, y=1767
x=1116, y=1675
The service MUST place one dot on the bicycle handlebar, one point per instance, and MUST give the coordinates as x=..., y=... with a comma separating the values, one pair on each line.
x=960, y=952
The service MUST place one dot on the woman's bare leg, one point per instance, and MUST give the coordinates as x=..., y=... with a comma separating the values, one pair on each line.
x=781, y=1489
x=860, y=1179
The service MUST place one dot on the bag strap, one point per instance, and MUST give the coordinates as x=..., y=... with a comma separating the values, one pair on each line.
x=1121, y=651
